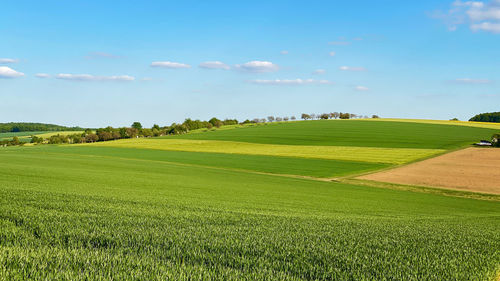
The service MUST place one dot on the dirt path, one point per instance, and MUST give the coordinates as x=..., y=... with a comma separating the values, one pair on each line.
x=471, y=169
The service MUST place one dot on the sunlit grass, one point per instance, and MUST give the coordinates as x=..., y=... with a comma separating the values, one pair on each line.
x=352, y=153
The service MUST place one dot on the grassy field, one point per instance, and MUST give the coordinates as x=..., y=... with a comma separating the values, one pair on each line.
x=85, y=217
x=26, y=136
x=487, y=125
x=23, y=136
x=209, y=208
x=360, y=133
x=321, y=168
x=348, y=153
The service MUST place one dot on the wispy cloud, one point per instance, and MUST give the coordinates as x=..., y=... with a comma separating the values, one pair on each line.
x=257, y=66
x=292, y=82
x=42, y=75
x=319, y=72
x=471, y=81
x=7, y=60
x=88, y=77
x=7, y=72
x=486, y=26
x=214, y=65
x=478, y=15
x=361, y=88
x=169, y=64
x=284, y=52
x=331, y=54
x=352, y=68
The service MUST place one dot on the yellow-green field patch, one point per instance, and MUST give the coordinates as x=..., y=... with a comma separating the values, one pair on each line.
x=352, y=153
x=64, y=133
x=441, y=122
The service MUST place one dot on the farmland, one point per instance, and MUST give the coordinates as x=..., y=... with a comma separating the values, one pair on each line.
x=473, y=169
x=203, y=206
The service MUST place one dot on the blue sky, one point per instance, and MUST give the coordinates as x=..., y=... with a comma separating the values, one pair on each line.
x=98, y=63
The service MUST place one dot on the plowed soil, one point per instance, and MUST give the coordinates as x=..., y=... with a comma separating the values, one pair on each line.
x=471, y=169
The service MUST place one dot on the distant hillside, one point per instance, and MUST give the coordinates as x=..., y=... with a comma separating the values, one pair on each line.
x=31, y=127
x=487, y=117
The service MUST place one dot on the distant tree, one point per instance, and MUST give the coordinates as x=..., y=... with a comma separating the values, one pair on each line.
x=88, y=131
x=279, y=119
x=293, y=118
x=487, y=117
x=375, y=116
x=147, y=133
x=36, y=140
x=344, y=115
x=123, y=133
x=137, y=125
x=286, y=118
x=263, y=120
x=75, y=138
x=313, y=116
x=324, y=116
x=256, y=120
x=104, y=135
x=215, y=122
x=305, y=116
x=270, y=118
x=454, y=119
x=132, y=132
x=155, y=126
x=91, y=138
x=15, y=141
x=230, y=122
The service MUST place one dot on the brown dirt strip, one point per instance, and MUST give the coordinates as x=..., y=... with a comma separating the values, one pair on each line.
x=470, y=169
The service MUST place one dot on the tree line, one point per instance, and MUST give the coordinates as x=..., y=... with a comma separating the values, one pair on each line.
x=487, y=117
x=32, y=127
x=136, y=130
x=334, y=115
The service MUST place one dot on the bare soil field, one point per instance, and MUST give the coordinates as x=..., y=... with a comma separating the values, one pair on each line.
x=471, y=169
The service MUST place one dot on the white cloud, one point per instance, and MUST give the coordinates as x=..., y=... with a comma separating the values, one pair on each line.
x=352, y=68
x=361, y=88
x=331, y=54
x=486, y=26
x=7, y=72
x=42, y=75
x=290, y=82
x=214, y=65
x=472, y=81
x=258, y=66
x=88, y=77
x=480, y=16
x=6, y=60
x=319, y=72
x=284, y=52
x=169, y=64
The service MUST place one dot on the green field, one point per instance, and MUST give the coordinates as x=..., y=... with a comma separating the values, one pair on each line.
x=346, y=153
x=360, y=133
x=26, y=136
x=110, y=211
x=23, y=136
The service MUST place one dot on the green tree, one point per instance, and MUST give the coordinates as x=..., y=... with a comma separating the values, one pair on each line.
x=137, y=125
